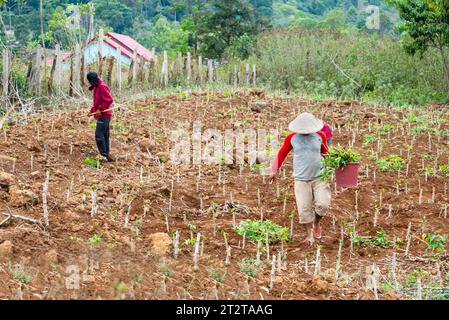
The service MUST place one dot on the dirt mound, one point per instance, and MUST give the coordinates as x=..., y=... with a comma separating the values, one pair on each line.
x=160, y=243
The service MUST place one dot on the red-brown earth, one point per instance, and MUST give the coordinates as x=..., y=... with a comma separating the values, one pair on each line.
x=137, y=262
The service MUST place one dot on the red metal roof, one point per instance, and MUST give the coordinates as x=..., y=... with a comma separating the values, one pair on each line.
x=64, y=55
x=127, y=44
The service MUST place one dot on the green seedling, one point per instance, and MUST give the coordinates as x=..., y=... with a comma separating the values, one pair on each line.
x=390, y=163
x=96, y=239
x=250, y=267
x=257, y=230
x=369, y=138
x=216, y=274
x=444, y=169
x=435, y=242
x=379, y=240
x=22, y=277
x=92, y=162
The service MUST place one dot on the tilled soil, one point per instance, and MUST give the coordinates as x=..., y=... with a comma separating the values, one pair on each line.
x=122, y=251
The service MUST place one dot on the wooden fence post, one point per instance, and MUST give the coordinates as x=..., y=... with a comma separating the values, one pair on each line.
x=5, y=81
x=91, y=21
x=119, y=69
x=254, y=75
x=58, y=70
x=109, y=70
x=100, y=52
x=83, y=68
x=247, y=74
x=141, y=74
x=200, y=69
x=235, y=76
x=164, y=71
x=84, y=60
x=52, y=74
x=71, y=78
x=37, y=79
x=189, y=67
x=180, y=66
x=135, y=65
x=131, y=73
x=77, y=71
x=210, y=71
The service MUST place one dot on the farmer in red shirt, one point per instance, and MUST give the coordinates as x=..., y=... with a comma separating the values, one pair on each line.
x=101, y=110
x=313, y=196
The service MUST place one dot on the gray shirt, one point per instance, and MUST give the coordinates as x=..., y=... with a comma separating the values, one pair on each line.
x=307, y=164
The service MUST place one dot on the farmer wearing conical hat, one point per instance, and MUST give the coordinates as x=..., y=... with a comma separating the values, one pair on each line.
x=313, y=196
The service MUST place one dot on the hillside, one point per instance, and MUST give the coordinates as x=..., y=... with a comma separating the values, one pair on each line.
x=141, y=19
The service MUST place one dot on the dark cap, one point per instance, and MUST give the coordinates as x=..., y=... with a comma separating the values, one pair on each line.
x=92, y=77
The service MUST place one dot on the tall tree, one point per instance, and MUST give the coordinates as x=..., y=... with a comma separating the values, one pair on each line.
x=425, y=24
x=221, y=22
x=41, y=18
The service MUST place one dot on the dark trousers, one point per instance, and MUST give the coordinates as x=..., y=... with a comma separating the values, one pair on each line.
x=102, y=136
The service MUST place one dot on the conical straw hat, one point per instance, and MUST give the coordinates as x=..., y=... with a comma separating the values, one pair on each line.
x=306, y=123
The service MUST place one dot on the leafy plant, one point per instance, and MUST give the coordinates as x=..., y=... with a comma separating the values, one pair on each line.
x=444, y=168
x=435, y=242
x=390, y=163
x=257, y=230
x=216, y=274
x=120, y=127
x=22, y=277
x=379, y=240
x=165, y=270
x=385, y=128
x=430, y=171
x=249, y=266
x=337, y=157
x=96, y=239
x=137, y=278
x=256, y=167
x=191, y=241
x=369, y=138
x=92, y=162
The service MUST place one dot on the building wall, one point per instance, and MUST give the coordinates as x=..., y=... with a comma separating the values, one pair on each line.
x=91, y=52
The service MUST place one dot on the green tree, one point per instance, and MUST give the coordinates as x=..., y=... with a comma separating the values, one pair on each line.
x=335, y=20
x=221, y=22
x=163, y=35
x=425, y=25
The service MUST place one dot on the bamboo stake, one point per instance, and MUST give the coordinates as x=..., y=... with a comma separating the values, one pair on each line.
x=195, y=254
x=273, y=272
x=44, y=199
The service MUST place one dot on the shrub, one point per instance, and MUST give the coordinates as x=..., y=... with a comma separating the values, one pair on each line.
x=387, y=74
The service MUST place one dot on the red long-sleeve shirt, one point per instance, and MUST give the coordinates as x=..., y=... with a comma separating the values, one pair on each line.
x=102, y=100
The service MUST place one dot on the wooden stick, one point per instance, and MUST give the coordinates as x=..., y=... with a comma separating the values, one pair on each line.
x=11, y=216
